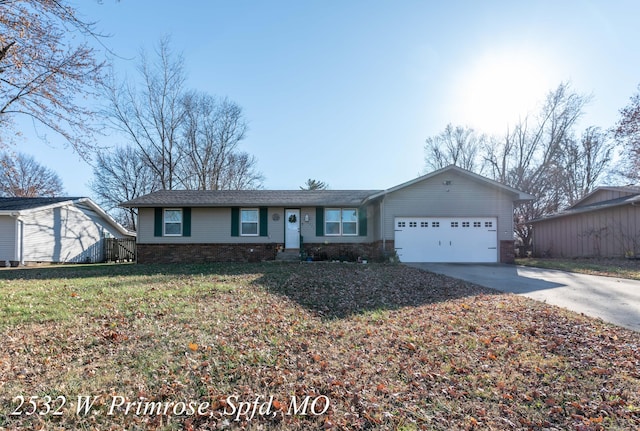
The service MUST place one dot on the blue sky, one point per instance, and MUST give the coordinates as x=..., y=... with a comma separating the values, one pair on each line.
x=346, y=92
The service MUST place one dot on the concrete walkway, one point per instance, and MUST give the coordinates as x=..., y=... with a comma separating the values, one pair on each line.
x=614, y=300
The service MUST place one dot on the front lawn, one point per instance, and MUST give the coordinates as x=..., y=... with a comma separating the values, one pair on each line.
x=623, y=268
x=301, y=346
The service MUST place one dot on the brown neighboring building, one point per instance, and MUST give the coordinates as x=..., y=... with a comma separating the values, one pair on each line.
x=604, y=223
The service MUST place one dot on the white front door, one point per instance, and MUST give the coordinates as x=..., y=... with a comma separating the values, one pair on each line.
x=292, y=229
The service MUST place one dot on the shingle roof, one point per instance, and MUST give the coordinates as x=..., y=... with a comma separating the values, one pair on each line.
x=19, y=204
x=226, y=198
x=629, y=190
x=596, y=206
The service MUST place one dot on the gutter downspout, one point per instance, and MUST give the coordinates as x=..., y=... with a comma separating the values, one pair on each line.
x=18, y=238
x=20, y=244
x=382, y=223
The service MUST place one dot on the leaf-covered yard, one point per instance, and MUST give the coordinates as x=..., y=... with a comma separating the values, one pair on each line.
x=372, y=346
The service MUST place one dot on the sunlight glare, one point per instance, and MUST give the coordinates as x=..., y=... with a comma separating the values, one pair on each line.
x=499, y=89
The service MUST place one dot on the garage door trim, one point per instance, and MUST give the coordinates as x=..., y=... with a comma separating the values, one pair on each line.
x=446, y=239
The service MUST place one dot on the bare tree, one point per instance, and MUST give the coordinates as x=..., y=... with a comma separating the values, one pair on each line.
x=42, y=72
x=584, y=162
x=209, y=160
x=120, y=176
x=460, y=146
x=539, y=155
x=22, y=176
x=314, y=185
x=529, y=158
x=240, y=173
x=627, y=133
x=188, y=140
x=151, y=117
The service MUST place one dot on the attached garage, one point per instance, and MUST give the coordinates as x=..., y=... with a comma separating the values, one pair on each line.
x=446, y=239
x=450, y=215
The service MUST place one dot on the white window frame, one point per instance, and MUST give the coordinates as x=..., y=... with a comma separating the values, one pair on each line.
x=341, y=221
x=257, y=222
x=164, y=221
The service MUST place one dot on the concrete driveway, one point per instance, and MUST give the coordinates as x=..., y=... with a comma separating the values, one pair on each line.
x=614, y=300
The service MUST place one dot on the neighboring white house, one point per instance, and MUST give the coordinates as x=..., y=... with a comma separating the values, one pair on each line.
x=56, y=230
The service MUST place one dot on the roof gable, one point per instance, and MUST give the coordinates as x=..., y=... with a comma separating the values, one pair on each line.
x=606, y=193
x=517, y=194
x=596, y=206
x=21, y=206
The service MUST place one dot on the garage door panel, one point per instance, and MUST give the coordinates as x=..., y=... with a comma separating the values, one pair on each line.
x=452, y=239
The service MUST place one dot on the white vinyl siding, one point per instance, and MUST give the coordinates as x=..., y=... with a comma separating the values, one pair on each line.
x=7, y=239
x=64, y=234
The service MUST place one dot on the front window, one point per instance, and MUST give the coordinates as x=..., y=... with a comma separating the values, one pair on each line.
x=249, y=222
x=341, y=221
x=173, y=222
x=349, y=221
x=332, y=222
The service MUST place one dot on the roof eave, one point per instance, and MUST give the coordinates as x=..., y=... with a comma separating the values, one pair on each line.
x=582, y=210
x=245, y=204
x=623, y=189
x=166, y=201
x=39, y=208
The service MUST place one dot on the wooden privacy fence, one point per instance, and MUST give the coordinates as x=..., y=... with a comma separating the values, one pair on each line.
x=119, y=249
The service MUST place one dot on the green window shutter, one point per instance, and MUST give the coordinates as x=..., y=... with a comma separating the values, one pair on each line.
x=186, y=221
x=319, y=221
x=264, y=221
x=157, y=222
x=235, y=221
x=362, y=221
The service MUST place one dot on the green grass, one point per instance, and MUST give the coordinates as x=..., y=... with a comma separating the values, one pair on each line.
x=390, y=347
x=622, y=268
x=61, y=294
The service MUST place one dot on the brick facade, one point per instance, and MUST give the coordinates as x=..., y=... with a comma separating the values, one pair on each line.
x=202, y=253
x=507, y=252
x=347, y=251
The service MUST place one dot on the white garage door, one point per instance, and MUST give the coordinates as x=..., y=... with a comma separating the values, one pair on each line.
x=451, y=239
